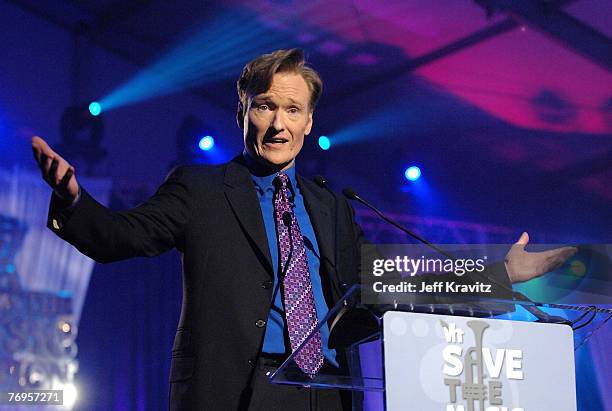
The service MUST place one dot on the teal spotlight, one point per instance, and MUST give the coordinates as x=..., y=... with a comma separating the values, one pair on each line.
x=206, y=143
x=95, y=108
x=324, y=143
x=413, y=173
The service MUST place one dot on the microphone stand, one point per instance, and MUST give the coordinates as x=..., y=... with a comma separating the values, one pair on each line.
x=533, y=309
x=340, y=287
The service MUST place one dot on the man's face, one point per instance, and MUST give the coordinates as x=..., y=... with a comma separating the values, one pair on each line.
x=277, y=120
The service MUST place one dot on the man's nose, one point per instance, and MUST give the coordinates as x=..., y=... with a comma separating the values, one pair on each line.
x=278, y=122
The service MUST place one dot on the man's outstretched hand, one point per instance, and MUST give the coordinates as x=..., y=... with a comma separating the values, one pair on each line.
x=522, y=265
x=56, y=171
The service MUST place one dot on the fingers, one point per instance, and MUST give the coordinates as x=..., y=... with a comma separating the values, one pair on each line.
x=523, y=266
x=562, y=254
x=524, y=239
x=518, y=247
x=40, y=144
x=44, y=155
x=559, y=253
x=553, y=259
x=570, y=251
x=40, y=147
x=52, y=173
x=63, y=184
x=48, y=168
x=59, y=173
x=45, y=164
x=52, y=166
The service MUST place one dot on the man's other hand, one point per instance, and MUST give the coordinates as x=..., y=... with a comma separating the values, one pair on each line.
x=56, y=171
x=523, y=266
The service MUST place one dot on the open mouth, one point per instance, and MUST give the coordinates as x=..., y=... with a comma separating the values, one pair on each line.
x=275, y=141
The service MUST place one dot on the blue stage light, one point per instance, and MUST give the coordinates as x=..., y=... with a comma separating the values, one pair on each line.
x=95, y=108
x=413, y=173
x=324, y=143
x=206, y=143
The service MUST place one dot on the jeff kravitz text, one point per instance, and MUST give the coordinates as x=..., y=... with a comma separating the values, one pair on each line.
x=472, y=363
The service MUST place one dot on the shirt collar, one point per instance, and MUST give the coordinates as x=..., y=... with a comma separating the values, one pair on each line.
x=264, y=183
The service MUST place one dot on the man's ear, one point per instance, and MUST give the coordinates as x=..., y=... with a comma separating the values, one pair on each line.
x=240, y=115
x=309, y=124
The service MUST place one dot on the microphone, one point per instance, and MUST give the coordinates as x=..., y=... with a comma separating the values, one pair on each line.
x=352, y=195
x=353, y=322
x=533, y=309
x=322, y=182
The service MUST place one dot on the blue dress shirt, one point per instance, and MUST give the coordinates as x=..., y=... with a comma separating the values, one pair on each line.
x=274, y=340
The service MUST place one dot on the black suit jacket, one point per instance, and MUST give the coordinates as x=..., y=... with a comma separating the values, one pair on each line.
x=211, y=214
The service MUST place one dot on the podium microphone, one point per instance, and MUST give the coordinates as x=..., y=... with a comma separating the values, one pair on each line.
x=341, y=287
x=533, y=309
x=352, y=323
x=352, y=195
x=321, y=182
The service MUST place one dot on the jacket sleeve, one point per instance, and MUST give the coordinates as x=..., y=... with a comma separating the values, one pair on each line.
x=104, y=235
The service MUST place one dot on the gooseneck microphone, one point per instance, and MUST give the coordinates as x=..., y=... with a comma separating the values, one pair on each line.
x=352, y=195
x=321, y=182
x=352, y=322
x=533, y=309
x=340, y=286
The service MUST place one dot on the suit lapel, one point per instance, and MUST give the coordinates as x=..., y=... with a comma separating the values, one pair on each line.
x=240, y=193
x=321, y=217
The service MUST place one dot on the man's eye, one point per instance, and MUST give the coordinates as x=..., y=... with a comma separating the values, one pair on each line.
x=294, y=110
x=263, y=107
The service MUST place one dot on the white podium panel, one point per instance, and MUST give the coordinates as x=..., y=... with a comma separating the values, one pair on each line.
x=452, y=363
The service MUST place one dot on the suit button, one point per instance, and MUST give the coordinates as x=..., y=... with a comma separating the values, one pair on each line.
x=251, y=362
x=260, y=323
x=266, y=285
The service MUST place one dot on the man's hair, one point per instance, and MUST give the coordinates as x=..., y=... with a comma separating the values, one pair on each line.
x=256, y=76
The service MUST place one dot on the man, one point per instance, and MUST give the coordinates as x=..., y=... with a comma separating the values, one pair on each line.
x=258, y=245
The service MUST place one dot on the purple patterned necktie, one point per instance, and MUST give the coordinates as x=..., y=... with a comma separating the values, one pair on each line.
x=300, y=310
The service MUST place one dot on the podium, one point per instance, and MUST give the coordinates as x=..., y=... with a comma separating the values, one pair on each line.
x=470, y=355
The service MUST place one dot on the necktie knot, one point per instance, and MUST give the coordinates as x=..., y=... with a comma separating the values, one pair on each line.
x=280, y=181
